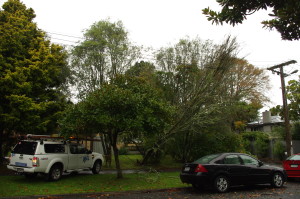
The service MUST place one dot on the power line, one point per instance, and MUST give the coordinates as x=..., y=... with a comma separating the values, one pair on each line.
x=76, y=37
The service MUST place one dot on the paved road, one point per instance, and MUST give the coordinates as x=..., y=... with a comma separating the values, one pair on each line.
x=289, y=191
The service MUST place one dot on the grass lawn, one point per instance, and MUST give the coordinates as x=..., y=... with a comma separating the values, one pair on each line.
x=130, y=162
x=87, y=183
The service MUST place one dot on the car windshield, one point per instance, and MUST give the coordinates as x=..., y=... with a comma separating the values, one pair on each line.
x=294, y=157
x=206, y=159
x=23, y=147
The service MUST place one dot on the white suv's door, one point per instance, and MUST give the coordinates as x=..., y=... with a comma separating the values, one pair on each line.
x=85, y=158
x=73, y=157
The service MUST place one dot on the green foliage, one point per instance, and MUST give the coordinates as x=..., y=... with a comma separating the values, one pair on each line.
x=296, y=130
x=279, y=150
x=293, y=95
x=187, y=147
x=105, y=53
x=256, y=143
x=285, y=14
x=32, y=74
x=126, y=105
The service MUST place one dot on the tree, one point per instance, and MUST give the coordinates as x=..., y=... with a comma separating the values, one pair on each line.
x=293, y=95
x=285, y=14
x=105, y=52
x=32, y=72
x=202, y=106
x=293, y=90
x=126, y=105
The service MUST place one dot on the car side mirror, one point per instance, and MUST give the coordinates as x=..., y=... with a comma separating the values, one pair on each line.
x=260, y=163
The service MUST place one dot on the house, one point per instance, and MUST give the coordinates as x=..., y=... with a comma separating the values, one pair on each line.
x=266, y=123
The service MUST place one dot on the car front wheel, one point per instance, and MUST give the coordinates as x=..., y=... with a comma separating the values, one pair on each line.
x=221, y=184
x=97, y=167
x=277, y=180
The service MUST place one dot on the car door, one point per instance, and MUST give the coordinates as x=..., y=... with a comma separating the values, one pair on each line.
x=237, y=172
x=85, y=158
x=257, y=173
x=73, y=157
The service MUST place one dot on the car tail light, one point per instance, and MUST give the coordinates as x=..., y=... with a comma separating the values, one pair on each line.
x=35, y=161
x=200, y=168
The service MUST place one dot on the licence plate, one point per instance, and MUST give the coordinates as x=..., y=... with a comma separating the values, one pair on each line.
x=20, y=170
x=186, y=168
x=294, y=165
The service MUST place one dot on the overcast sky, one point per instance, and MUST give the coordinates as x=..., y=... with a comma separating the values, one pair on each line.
x=157, y=23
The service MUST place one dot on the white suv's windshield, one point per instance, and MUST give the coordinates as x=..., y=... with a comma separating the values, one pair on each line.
x=23, y=147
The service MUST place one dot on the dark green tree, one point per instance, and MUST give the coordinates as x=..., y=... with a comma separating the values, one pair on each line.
x=127, y=104
x=32, y=72
x=285, y=14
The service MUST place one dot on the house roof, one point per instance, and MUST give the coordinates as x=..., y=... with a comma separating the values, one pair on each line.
x=274, y=120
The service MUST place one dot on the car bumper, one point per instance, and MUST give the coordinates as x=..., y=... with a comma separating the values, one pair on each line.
x=21, y=169
x=195, y=178
x=293, y=174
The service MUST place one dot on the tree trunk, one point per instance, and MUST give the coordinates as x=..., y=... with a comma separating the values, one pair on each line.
x=1, y=144
x=113, y=138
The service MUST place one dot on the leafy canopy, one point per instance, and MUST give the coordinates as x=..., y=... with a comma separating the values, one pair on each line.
x=285, y=14
x=32, y=72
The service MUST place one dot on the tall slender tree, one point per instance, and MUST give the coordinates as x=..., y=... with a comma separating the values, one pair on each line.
x=105, y=52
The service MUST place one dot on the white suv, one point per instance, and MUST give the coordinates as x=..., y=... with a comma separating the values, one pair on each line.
x=52, y=158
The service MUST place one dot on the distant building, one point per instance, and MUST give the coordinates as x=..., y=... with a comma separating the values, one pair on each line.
x=266, y=123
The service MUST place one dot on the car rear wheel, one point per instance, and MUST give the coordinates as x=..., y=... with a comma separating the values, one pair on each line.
x=221, y=184
x=97, y=167
x=277, y=180
x=55, y=173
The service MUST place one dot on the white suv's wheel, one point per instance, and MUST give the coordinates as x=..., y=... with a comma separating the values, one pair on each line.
x=55, y=173
x=97, y=167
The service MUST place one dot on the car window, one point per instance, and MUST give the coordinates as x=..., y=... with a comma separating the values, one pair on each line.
x=54, y=148
x=294, y=157
x=73, y=149
x=78, y=149
x=27, y=148
x=232, y=159
x=82, y=149
x=206, y=159
x=247, y=160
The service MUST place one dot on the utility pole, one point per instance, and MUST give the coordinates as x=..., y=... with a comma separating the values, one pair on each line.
x=288, y=138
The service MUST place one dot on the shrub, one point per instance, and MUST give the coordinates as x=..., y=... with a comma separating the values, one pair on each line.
x=279, y=150
x=188, y=146
x=256, y=143
x=296, y=131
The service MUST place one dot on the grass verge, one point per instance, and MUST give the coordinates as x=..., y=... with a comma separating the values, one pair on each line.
x=87, y=183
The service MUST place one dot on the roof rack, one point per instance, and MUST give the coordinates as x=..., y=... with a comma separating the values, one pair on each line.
x=42, y=137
